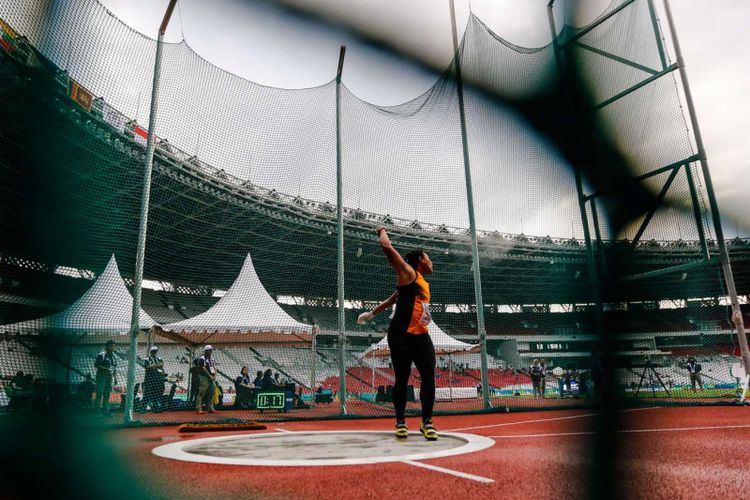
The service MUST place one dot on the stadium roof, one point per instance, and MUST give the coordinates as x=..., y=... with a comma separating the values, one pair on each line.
x=76, y=201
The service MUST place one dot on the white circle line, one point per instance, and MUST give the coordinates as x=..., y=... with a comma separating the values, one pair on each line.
x=176, y=451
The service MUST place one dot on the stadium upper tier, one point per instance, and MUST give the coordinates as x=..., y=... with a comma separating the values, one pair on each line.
x=72, y=171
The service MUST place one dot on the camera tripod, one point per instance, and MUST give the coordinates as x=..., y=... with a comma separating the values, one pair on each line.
x=648, y=369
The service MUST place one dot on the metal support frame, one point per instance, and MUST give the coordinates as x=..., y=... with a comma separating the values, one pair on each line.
x=313, y=361
x=645, y=176
x=635, y=87
x=744, y=388
x=598, y=235
x=582, y=198
x=716, y=216
x=697, y=211
x=590, y=27
x=669, y=270
x=143, y=226
x=340, y=239
x=657, y=204
x=617, y=58
x=482, y=332
x=674, y=167
x=657, y=32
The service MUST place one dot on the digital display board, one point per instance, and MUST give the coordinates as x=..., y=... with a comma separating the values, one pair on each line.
x=548, y=346
x=270, y=401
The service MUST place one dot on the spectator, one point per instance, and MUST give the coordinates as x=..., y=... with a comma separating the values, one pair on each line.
x=298, y=401
x=218, y=395
x=205, y=370
x=267, y=382
x=258, y=382
x=243, y=389
x=543, y=378
x=535, y=371
x=153, y=381
x=277, y=380
x=17, y=379
x=560, y=374
x=84, y=392
x=40, y=394
x=106, y=376
x=694, y=369
x=19, y=391
x=598, y=378
x=568, y=380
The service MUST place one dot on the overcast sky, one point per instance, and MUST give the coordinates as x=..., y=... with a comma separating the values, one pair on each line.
x=260, y=42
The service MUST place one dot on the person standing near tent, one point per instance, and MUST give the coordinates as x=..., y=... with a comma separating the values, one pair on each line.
x=543, y=378
x=153, y=380
x=535, y=372
x=408, y=335
x=106, y=376
x=205, y=370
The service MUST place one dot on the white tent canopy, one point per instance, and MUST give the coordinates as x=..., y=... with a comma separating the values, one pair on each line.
x=247, y=306
x=444, y=344
x=106, y=307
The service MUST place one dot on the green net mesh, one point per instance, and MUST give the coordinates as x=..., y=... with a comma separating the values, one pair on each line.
x=241, y=248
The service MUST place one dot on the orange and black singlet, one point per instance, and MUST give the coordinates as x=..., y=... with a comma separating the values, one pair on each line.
x=412, y=313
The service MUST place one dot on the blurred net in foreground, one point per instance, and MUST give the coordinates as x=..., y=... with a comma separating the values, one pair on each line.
x=241, y=245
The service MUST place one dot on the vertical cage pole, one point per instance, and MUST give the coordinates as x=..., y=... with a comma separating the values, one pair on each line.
x=713, y=205
x=143, y=226
x=340, y=240
x=472, y=223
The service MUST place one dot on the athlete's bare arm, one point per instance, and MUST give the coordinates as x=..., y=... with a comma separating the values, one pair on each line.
x=404, y=272
x=369, y=315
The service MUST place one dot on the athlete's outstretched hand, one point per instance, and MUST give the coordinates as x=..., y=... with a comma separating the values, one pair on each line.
x=365, y=317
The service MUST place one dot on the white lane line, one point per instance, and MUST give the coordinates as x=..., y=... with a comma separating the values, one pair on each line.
x=283, y=430
x=682, y=429
x=505, y=424
x=640, y=409
x=627, y=431
x=450, y=471
x=569, y=417
x=522, y=436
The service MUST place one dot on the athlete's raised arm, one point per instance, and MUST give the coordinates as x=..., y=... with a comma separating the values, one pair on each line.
x=404, y=272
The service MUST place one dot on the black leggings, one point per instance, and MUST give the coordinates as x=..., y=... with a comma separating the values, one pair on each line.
x=405, y=349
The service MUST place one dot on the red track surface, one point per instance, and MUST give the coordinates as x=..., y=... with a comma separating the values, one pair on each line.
x=526, y=460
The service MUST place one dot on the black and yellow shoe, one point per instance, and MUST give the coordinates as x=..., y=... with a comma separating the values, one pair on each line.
x=402, y=432
x=428, y=431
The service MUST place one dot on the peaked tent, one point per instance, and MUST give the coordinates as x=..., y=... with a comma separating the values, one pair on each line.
x=247, y=308
x=105, y=308
x=444, y=344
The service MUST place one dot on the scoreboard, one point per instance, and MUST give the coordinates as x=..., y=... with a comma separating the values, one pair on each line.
x=548, y=346
x=271, y=400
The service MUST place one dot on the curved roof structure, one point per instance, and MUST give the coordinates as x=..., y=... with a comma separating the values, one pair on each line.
x=105, y=308
x=203, y=222
x=246, y=308
x=444, y=344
